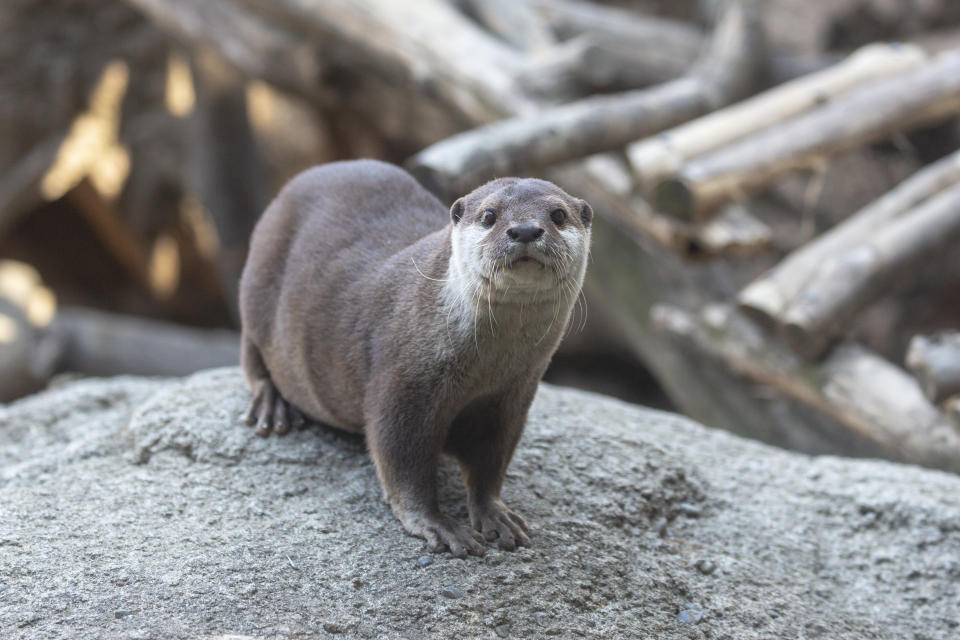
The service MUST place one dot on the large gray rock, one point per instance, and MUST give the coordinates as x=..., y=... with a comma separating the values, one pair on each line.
x=144, y=509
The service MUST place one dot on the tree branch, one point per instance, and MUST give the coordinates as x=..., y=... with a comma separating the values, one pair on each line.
x=602, y=123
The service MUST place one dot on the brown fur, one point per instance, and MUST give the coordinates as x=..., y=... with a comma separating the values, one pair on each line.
x=353, y=315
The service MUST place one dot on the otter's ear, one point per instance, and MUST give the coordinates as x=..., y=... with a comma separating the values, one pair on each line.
x=586, y=213
x=456, y=210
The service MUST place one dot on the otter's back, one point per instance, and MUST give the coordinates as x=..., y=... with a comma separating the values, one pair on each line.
x=325, y=236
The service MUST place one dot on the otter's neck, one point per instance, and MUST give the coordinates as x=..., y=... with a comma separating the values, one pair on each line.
x=474, y=306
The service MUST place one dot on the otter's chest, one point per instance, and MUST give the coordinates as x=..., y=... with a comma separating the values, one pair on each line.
x=499, y=351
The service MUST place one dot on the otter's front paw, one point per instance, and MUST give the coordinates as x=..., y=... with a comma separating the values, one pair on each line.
x=496, y=521
x=443, y=533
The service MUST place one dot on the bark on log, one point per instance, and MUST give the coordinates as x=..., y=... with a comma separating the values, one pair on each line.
x=935, y=362
x=656, y=159
x=767, y=298
x=520, y=145
x=847, y=282
x=858, y=389
x=907, y=100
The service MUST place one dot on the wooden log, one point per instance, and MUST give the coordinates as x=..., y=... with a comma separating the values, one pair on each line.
x=636, y=273
x=767, y=298
x=650, y=49
x=601, y=123
x=952, y=409
x=935, y=362
x=565, y=71
x=784, y=66
x=580, y=66
x=261, y=47
x=901, y=102
x=104, y=344
x=514, y=21
x=27, y=355
x=427, y=44
x=227, y=169
x=658, y=158
x=20, y=185
x=520, y=145
x=733, y=232
x=106, y=221
x=862, y=392
x=660, y=49
x=253, y=45
x=847, y=282
x=296, y=44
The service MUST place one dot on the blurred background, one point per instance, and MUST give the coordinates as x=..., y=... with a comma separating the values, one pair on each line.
x=778, y=210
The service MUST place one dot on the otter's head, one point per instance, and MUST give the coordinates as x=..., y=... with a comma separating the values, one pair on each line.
x=521, y=235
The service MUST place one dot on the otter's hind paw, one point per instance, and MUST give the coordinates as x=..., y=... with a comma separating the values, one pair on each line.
x=269, y=411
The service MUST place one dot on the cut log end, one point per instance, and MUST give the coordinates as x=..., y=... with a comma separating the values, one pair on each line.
x=808, y=345
x=952, y=407
x=434, y=181
x=762, y=301
x=674, y=197
x=935, y=362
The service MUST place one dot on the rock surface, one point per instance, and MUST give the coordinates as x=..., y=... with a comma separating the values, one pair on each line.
x=132, y=508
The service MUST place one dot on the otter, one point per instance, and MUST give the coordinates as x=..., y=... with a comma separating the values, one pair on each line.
x=366, y=306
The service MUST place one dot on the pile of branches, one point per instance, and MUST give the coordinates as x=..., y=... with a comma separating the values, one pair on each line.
x=687, y=136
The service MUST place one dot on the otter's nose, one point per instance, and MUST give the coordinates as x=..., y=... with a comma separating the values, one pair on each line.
x=525, y=232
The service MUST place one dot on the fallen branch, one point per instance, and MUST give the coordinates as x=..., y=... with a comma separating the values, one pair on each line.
x=935, y=362
x=104, y=344
x=767, y=298
x=655, y=159
x=904, y=101
x=847, y=282
x=522, y=144
x=863, y=393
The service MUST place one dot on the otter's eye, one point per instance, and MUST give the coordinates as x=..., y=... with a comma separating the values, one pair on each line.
x=488, y=218
x=559, y=216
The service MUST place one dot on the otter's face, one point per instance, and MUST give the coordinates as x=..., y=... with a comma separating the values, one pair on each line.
x=521, y=235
